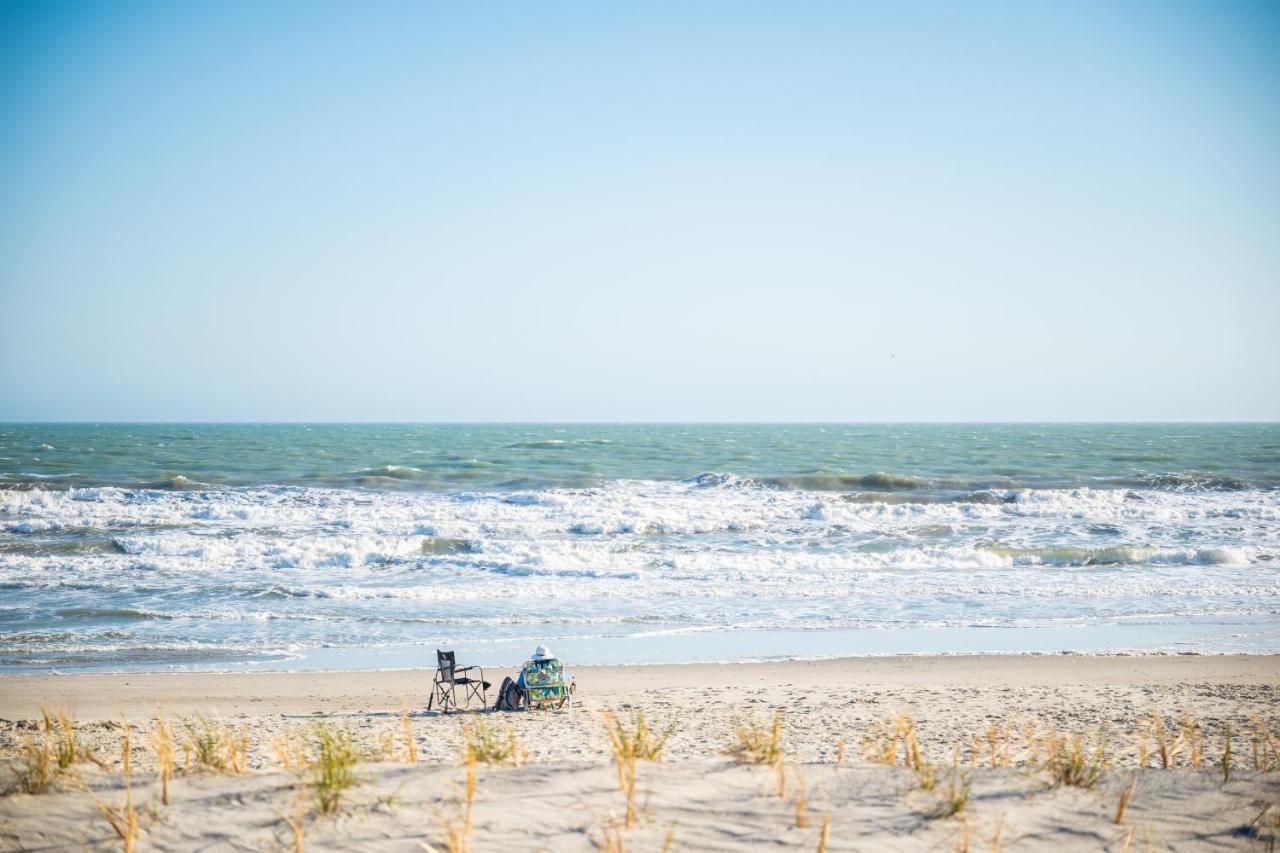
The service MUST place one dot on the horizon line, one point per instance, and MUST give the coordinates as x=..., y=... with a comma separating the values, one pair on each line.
x=940, y=422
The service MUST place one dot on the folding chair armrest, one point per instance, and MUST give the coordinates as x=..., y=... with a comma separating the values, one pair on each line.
x=469, y=668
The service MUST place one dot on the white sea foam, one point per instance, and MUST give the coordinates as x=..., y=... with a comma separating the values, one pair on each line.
x=717, y=553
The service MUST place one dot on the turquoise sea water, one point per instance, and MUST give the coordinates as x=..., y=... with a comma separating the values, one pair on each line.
x=316, y=545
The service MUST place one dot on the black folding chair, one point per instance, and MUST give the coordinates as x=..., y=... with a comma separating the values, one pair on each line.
x=449, y=678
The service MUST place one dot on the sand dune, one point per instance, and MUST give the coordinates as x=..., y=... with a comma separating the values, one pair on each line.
x=566, y=794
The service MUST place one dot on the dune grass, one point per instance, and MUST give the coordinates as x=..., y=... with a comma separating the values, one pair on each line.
x=214, y=746
x=50, y=753
x=1192, y=739
x=630, y=743
x=162, y=747
x=333, y=771
x=1071, y=764
x=124, y=819
x=636, y=737
x=453, y=829
x=754, y=744
x=485, y=745
x=824, y=835
x=298, y=828
x=290, y=750
x=37, y=765
x=1122, y=803
x=802, y=803
x=410, y=744
x=955, y=797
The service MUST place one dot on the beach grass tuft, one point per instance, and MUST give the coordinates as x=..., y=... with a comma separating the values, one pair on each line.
x=1165, y=747
x=161, y=742
x=1069, y=763
x=955, y=798
x=998, y=745
x=1192, y=739
x=406, y=725
x=290, y=749
x=123, y=820
x=637, y=737
x=67, y=751
x=37, y=766
x=756, y=744
x=485, y=745
x=454, y=828
x=333, y=771
x=215, y=746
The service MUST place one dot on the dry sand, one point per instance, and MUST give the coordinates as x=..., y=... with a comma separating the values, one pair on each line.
x=561, y=798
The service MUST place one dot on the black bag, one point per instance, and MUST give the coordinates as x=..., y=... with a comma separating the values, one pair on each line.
x=510, y=697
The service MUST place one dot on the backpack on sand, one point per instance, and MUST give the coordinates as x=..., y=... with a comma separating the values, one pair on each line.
x=510, y=697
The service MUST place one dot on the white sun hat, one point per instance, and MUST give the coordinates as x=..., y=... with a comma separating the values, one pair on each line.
x=542, y=653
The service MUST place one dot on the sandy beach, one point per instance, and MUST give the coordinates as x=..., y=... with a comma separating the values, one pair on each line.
x=991, y=719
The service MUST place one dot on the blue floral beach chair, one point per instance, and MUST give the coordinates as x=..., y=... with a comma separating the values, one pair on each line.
x=544, y=686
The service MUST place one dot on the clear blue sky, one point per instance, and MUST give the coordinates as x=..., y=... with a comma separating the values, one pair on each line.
x=639, y=211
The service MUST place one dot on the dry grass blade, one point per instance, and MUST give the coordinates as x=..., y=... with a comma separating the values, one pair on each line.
x=68, y=752
x=611, y=838
x=290, y=750
x=839, y=753
x=454, y=831
x=298, y=826
x=123, y=820
x=410, y=744
x=161, y=742
x=1193, y=739
x=994, y=845
x=825, y=834
x=1162, y=740
x=471, y=792
x=956, y=797
x=1266, y=826
x=1125, y=796
x=998, y=745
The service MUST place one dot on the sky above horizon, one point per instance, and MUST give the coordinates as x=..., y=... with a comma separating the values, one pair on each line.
x=659, y=212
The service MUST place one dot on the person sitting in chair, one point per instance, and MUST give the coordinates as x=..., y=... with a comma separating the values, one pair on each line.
x=544, y=681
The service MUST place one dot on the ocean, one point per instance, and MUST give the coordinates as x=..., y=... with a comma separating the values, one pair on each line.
x=317, y=546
